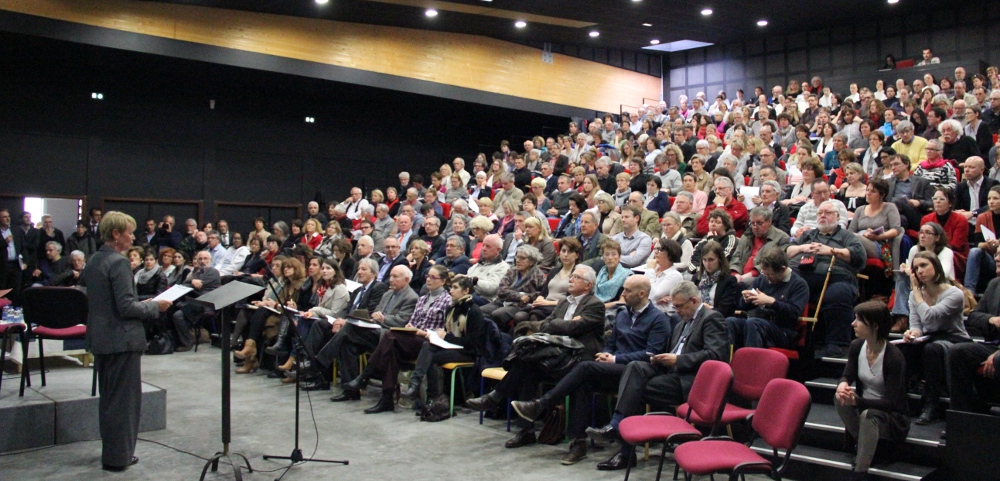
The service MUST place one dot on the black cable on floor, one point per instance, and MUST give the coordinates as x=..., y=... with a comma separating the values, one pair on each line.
x=190, y=454
x=31, y=450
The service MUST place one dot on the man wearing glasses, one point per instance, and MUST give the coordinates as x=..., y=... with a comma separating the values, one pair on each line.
x=811, y=254
x=767, y=158
x=760, y=236
x=581, y=316
x=663, y=380
x=724, y=200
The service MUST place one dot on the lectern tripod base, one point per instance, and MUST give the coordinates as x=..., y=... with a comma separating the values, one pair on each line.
x=214, y=464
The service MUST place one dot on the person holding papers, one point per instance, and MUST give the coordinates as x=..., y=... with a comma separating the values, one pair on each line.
x=401, y=345
x=463, y=330
x=935, y=324
x=364, y=297
x=980, y=269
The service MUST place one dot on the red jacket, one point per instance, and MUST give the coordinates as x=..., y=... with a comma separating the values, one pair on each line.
x=736, y=210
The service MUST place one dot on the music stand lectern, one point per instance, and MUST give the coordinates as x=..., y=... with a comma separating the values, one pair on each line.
x=217, y=301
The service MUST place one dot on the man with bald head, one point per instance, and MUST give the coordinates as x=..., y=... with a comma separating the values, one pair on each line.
x=355, y=205
x=313, y=209
x=489, y=270
x=639, y=329
x=203, y=279
x=393, y=310
x=971, y=193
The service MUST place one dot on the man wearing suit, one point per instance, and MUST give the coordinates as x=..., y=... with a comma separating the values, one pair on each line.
x=638, y=330
x=392, y=259
x=591, y=238
x=11, y=242
x=454, y=256
x=116, y=337
x=366, y=297
x=971, y=193
x=581, y=316
x=665, y=380
x=912, y=195
x=559, y=198
x=203, y=279
x=29, y=246
x=393, y=310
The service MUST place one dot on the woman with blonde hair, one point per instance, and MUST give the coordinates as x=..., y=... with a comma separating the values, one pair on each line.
x=611, y=221
x=535, y=235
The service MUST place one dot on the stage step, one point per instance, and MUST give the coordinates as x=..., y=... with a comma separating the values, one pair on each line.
x=64, y=412
x=840, y=461
x=830, y=384
x=824, y=418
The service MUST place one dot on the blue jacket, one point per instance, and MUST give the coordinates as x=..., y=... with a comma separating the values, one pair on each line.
x=460, y=265
x=634, y=341
x=660, y=204
x=830, y=161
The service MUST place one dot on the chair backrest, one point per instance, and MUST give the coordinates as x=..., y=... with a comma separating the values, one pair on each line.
x=708, y=393
x=54, y=307
x=781, y=413
x=753, y=368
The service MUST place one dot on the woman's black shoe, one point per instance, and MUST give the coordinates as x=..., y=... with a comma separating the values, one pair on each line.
x=385, y=403
x=282, y=346
x=929, y=415
x=618, y=461
x=357, y=384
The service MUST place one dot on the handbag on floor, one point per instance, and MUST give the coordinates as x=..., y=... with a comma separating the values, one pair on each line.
x=553, y=426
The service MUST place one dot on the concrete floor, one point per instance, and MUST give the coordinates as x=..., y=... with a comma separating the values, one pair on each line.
x=388, y=446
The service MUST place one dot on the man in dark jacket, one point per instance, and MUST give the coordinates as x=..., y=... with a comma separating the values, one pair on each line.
x=664, y=380
x=454, y=256
x=203, y=279
x=773, y=304
x=639, y=330
x=581, y=316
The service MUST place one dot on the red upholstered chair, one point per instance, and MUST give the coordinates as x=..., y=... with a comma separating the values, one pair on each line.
x=707, y=399
x=779, y=418
x=446, y=210
x=753, y=368
x=553, y=223
x=58, y=313
x=8, y=331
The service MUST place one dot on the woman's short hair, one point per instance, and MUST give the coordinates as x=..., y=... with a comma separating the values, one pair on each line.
x=856, y=168
x=420, y=245
x=580, y=201
x=847, y=155
x=168, y=252
x=671, y=248
x=875, y=314
x=816, y=167
x=721, y=214
x=481, y=222
x=530, y=252
x=114, y=221
x=530, y=198
x=947, y=193
x=881, y=186
x=623, y=175
x=533, y=221
x=571, y=243
x=296, y=265
x=342, y=245
x=536, y=182
x=316, y=226
x=613, y=245
x=605, y=199
x=578, y=170
x=377, y=194
x=335, y=225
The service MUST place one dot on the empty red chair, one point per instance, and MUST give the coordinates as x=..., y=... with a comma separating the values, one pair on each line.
x=446, y=210
x=553, y=223
x=753, y=368
x=707, y=399
x=778, y=420
x=58, y=313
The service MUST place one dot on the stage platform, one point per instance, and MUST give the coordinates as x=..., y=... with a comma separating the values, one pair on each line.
x=63, y=412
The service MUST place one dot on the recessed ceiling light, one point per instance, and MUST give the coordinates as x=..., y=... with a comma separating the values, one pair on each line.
x=322, y=2
x=893, y=1
x=595, y=33
x=520, y=24
x=761, y=23
x=431, y=12
x=647, y=25
x=654, y=42
x=706, y=11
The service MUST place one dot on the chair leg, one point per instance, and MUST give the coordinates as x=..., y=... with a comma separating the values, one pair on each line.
x=677, y=467
x=25, y=375
x=508, y=414
x=197, y=335
x=663, y=457
x=3, y=358
x=41, y=358
x=628, y=470
x=482, y=392
x=93, y=383
x=451, y=395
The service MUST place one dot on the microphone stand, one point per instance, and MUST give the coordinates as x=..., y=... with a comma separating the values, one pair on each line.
x=296, y=456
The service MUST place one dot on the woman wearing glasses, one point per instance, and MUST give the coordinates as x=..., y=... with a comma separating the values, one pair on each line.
x=399, y=346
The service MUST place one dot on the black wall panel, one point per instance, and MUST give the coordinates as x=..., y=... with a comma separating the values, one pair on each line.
x=154, y=135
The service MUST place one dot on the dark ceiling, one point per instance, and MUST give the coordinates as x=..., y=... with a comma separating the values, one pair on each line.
x=619, y=21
